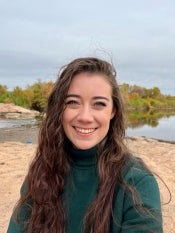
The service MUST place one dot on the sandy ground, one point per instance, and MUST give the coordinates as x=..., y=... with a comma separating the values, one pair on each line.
x=17, y=147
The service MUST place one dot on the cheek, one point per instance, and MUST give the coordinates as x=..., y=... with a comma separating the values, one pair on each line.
x=105, y=121
x=108, y=116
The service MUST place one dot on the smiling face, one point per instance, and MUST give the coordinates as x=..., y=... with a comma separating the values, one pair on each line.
x=89, y=109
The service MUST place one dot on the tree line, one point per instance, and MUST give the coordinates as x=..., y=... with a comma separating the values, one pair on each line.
x=135, y=97
x=32, y=97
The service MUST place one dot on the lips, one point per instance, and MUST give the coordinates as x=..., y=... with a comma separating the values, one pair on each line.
x=85, y=131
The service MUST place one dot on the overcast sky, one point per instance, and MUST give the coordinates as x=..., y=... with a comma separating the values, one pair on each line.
x=38, y=37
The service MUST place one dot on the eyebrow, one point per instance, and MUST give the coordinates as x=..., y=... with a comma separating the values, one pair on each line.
x=95, y=97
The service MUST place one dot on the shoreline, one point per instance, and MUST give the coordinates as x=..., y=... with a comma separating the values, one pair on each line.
x=23, y=134
x=149, y=138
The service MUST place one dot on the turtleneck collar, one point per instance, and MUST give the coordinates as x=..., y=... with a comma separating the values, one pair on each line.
x=84, y=158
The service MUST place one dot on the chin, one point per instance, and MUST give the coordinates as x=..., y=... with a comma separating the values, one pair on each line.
x=84, y=147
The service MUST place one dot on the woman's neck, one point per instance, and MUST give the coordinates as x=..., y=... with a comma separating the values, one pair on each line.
x=84, y=158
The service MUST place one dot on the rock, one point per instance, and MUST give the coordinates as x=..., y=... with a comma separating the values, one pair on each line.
x=12, y=111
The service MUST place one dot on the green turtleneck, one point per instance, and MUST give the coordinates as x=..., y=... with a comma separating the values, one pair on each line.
x=81, y=187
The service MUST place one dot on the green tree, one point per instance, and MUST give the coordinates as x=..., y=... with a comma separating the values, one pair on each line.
x=39, y=93
x=3, y=89
x=18, y=97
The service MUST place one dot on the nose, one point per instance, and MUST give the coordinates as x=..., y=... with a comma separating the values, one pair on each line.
x=85, y=114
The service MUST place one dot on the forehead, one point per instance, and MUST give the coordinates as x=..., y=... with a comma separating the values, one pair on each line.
x=90, y=82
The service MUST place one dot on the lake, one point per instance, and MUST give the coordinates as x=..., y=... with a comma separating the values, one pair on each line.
x=165, y=130
x=9, y=123
x=162, y=128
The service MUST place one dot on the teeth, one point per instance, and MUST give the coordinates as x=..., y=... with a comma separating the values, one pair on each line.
x=85, y=130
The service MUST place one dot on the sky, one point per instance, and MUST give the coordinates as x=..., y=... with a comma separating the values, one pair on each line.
x=38, y=37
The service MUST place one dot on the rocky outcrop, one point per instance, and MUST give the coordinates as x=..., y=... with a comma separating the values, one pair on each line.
x=12, y=111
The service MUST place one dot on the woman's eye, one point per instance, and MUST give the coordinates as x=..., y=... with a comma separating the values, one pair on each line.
x=100, y=104
x=72, y=102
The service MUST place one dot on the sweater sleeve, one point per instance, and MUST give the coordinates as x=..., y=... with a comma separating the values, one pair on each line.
x=15, y=227
x=150, y=219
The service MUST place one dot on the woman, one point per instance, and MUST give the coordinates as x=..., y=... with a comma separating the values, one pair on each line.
x=83, y=178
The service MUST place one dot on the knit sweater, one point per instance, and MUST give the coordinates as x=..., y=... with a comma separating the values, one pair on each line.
x=81, y=189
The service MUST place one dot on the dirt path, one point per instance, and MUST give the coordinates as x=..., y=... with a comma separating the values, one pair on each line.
x=16, y=156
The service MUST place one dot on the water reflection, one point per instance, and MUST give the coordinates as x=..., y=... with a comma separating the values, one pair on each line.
x=153, y=124
x=137, y=119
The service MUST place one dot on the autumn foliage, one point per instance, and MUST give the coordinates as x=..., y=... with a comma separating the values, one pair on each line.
x=135, y=97
x=33, y=96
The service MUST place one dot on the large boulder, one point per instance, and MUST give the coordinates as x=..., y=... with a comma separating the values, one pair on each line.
x=12, y=111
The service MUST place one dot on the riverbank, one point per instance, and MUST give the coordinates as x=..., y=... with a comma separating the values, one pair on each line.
x=23, y=134
x=17, y=148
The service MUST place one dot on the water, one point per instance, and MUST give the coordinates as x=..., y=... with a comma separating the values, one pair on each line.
x=8, y=123
x=165, y=130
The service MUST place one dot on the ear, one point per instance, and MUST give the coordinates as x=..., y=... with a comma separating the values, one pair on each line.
x=113, y=113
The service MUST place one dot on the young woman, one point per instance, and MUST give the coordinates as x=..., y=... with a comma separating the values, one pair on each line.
x=83, y=178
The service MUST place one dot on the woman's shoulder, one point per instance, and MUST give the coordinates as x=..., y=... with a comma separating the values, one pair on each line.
x=137, y=175
x=135, y=170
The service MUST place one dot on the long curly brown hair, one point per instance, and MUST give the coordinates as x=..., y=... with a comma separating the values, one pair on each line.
x=45, y=181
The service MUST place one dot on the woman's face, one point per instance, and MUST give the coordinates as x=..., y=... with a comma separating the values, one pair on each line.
x=89, y=109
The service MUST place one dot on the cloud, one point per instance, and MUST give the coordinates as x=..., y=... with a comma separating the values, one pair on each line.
x=37, y=37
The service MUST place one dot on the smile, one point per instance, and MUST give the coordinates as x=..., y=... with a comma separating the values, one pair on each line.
x=85, y=131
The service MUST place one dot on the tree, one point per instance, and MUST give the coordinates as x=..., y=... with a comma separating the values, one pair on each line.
x=18, y=97
x=3, y=89
x=39, y=92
